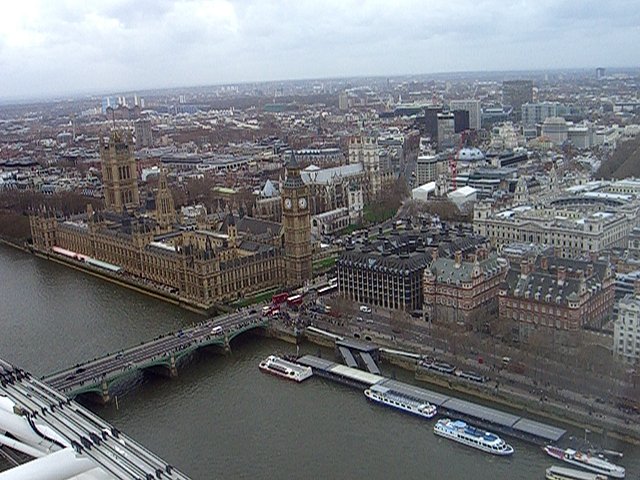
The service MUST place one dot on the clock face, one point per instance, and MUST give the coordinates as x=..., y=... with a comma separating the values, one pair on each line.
x=287, y=203
x=302, y=202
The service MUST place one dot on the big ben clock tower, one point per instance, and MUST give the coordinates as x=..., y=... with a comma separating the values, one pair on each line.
x=296, y=220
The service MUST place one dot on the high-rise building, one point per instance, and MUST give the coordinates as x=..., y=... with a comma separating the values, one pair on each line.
x=471, y=106
x=460, y=120
x=119, y=173
x=556, y=130
x=534, y=113
x=426, y=169
x=343, y=101
x=516, y=93
x=600, y=73
x=144, y=135
x=446, y=130
x=626, y=330
x=430, y=124
x=296, y=223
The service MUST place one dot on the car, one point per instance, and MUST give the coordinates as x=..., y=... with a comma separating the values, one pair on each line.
x=118, y=356
x=365, y=309
x=358, y=319
x=80, y=370
x=216, y=330
x=369, y=320
x=69, y=377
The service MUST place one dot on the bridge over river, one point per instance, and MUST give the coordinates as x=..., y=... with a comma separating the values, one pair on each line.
x=160, y=355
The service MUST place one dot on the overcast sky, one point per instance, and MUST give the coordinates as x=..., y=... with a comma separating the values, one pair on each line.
x=51, y=47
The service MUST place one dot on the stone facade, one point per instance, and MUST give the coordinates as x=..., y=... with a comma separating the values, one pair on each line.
x=202, y=267
x=119, y=173
x=296, y=220
x=626, y=330
x=216, y=260
x=575, y=222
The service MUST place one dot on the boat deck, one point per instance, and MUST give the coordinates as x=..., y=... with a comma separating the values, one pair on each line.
x=491, y=418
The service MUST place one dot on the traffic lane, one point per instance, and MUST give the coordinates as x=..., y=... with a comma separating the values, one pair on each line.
x=144, y=354
x=192, y=332
x=229, y=320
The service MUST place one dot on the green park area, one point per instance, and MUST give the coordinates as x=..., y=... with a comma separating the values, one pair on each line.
x=324, y=264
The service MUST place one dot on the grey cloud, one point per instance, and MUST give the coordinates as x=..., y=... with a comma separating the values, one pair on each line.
x=127, y=44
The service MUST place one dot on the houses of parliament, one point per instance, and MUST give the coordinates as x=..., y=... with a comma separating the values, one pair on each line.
x=220, y=259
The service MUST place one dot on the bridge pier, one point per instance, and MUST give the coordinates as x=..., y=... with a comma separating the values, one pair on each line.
x=167, y=371
x=173, y=370
x=105, y=397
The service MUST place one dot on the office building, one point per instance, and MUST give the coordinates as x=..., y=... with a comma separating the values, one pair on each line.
x=460, y=120
x=446, y=130
x=471, y=106
x=556, y=130
x=516, y=93
x=535, y=113
x=144, y=136
x=626, y=330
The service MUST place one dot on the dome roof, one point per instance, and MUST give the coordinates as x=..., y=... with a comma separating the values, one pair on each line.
x=470, y=154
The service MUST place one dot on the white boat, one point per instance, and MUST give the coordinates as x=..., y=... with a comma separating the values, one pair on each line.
x=460, y=432
x=285, y=369
x=394, y=399
x=561, y=473
x=586, y=461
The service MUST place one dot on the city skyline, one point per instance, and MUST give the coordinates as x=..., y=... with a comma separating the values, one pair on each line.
x=66, y=47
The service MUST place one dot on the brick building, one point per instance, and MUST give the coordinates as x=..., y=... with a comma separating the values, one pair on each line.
x=456, y=289
x=557, y=297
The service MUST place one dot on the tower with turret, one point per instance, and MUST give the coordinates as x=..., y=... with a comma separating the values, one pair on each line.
x=296, y=222
x=119, y=173
x=165, y=210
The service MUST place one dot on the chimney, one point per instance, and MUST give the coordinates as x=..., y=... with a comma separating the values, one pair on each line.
x=636, y=287
x=434, y=253
x=590, y=270
x=562, y=274
x=544, y=263
x=458, y=258
x=524, y=268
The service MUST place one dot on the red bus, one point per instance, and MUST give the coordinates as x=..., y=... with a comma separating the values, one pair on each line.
x=294, y=300
x=279, y=298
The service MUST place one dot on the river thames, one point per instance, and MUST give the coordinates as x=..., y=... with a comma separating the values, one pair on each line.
x=222, y=418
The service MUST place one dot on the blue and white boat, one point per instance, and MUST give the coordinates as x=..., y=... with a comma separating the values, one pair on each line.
x=460, y=432
x=394, y=399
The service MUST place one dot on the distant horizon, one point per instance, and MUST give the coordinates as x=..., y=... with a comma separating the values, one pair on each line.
x=79, y=94
x=58, y=48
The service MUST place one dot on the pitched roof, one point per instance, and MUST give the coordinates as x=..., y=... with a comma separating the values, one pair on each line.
x=257, y=226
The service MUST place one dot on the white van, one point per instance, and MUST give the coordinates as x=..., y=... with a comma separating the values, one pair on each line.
x=216, y=330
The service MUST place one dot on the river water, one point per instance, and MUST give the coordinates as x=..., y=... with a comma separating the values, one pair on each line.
x=222, y=418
